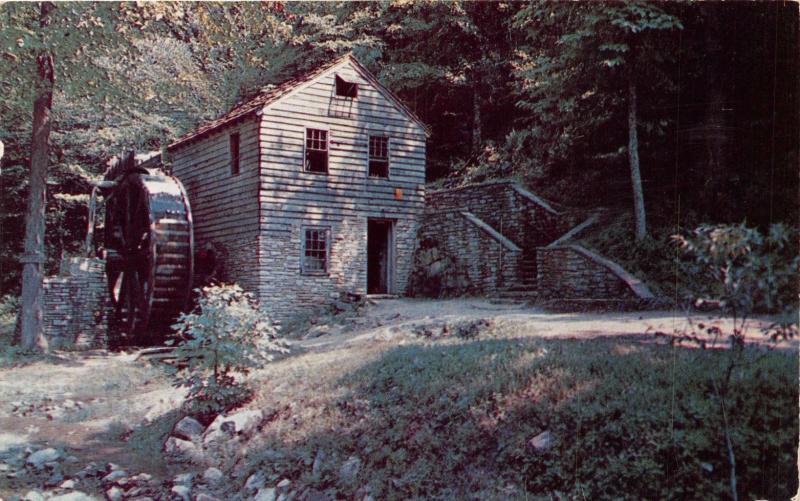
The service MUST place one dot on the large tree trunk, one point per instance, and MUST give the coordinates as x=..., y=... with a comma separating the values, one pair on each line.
x=476, y=115
x=32, y=329
x=633, y=156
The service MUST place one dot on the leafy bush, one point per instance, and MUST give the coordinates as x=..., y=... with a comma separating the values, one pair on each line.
x=743, y=269
x=9, y=307
x=224, y=338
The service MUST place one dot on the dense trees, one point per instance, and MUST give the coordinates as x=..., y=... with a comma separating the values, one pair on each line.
x=582, y=100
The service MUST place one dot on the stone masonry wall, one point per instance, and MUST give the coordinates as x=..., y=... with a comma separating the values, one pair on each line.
x=572, y=272
x=76, y=307
x=457, y=257
x=502, y=206
x=285, y=291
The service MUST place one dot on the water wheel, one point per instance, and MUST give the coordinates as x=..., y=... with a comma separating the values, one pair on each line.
x=149, y=251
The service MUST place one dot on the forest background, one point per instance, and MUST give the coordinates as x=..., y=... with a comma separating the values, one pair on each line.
x=566, y=97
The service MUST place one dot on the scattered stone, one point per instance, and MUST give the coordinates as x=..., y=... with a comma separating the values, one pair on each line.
x=74, y=496
x=141, y=478
x=348, y=473
x=187, y=428
x=283, y=486
x=255, y=482
x=213, y=477
x=112, y=466
x=181, y=450
x=183, y=479
x=68, y=484
x=72, y=459
x=241, y=423
x=205, y=497
x=181, y=492
x=265, y=494
x=33, y=496
x=541, y=442
x=707, y=467
x=39, y=458
x=115, y=476
x=114, y=494
x=245, y=422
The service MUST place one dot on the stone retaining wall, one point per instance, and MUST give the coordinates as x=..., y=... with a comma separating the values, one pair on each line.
x=521, y=216
x=76, y=307
x=457, y=256
x=574, y=272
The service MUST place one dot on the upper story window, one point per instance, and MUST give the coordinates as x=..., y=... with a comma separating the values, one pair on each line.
x=317, y=150
x=233, y=147
x=345, y=88
x=379, y=156
x=316, y=244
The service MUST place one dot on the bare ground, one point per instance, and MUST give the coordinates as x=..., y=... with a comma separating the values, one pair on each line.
x=94, y=406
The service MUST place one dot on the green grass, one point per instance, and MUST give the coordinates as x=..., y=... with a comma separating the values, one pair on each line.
x=630, y=420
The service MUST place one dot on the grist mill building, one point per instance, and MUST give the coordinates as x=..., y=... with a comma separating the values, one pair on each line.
x=312, y=188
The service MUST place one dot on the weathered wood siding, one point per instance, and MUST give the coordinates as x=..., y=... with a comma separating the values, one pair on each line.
x=343, y=200
x=224, y=206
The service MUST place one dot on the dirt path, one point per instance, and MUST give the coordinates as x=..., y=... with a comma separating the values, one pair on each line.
x=397, y=319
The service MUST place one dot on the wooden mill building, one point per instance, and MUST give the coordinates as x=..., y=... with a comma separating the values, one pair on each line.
x=312, y=188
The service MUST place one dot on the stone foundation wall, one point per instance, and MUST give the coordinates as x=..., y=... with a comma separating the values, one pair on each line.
x=285, y=292
x=456, y=257
x=573, y=272
x=76, y=306
x=519, y=215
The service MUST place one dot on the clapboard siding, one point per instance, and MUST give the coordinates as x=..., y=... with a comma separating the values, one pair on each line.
x=224, y=206
x=344, y=199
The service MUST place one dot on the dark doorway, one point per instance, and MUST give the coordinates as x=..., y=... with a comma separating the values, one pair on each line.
x=379, y=256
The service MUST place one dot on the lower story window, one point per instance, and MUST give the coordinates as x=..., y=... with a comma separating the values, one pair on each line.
x=315, y=250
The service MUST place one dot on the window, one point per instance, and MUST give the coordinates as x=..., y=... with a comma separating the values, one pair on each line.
x=315, y=251
x=233, y=142
x=317, y=150
x=345, y=88
x=378, y=156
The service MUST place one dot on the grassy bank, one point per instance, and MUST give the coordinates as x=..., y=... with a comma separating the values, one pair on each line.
x=455, y=420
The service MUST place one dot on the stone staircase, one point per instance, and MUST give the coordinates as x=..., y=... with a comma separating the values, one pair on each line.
x=505, y=242
x=524, y=289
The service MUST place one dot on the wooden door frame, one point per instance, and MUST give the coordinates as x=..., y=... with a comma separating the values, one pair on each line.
x=390, y=254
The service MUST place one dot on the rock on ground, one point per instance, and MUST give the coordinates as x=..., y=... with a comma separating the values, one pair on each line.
x=187, y=428
x=179, y=450
x=39, y=458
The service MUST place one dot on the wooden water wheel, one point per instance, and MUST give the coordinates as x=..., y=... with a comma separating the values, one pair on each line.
x=149, y=251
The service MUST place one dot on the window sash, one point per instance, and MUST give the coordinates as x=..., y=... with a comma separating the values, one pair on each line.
x=378, y=155
x=316, y=250
x=316, y=148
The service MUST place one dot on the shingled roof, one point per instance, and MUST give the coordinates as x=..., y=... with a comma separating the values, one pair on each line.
x=274, y=93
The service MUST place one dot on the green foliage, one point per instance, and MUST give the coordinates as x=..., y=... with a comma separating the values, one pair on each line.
x=571, y=73
x=221, y=341
x=745, y=269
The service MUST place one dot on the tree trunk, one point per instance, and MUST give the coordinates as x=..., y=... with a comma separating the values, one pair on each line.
x=32, y=328
x=476, y=116
x=633, y=156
